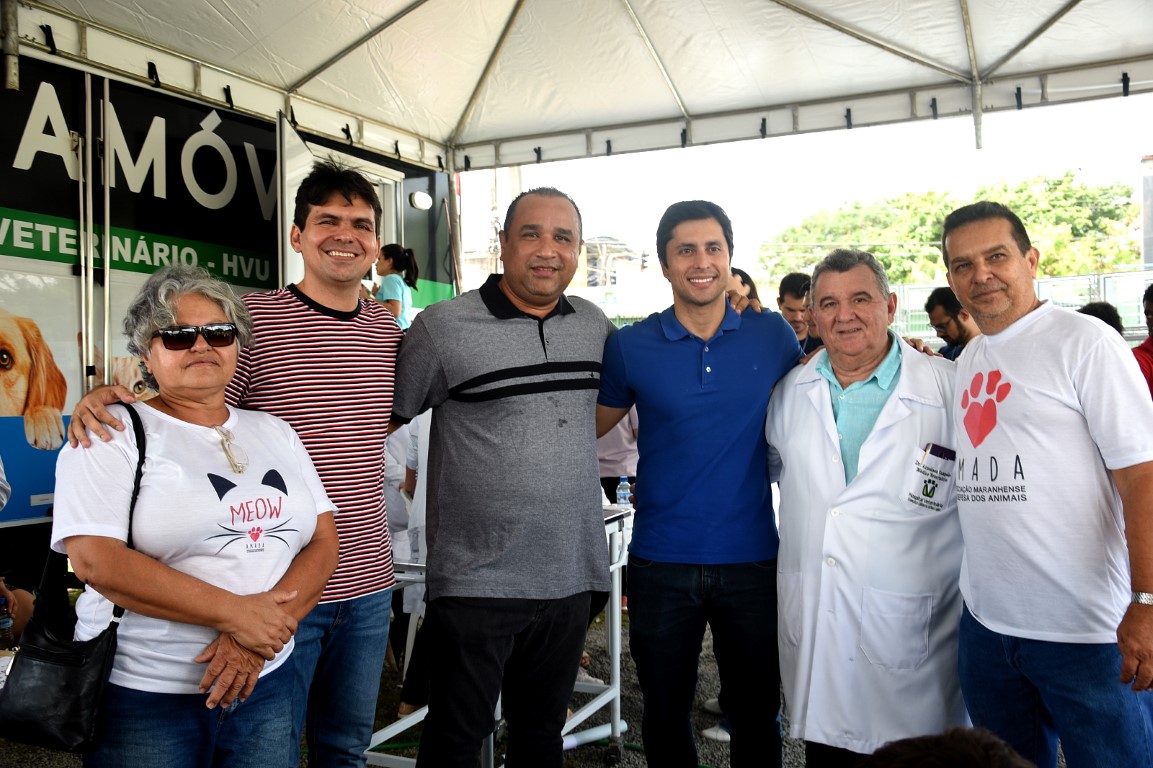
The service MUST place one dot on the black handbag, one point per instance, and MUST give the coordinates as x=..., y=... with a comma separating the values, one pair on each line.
x=55, y=684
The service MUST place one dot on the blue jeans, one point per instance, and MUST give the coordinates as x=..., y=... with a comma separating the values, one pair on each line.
x=527, y=651
x=340, y=650
x=176, y=730
x=1030, y=692
x=669, y=606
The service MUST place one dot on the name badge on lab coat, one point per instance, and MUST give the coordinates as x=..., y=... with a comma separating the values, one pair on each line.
x=932, y=473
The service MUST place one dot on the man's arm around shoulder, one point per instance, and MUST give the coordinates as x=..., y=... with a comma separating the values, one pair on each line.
x=90, y=414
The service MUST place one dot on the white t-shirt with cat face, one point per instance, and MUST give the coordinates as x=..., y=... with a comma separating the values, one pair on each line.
x=236, y=531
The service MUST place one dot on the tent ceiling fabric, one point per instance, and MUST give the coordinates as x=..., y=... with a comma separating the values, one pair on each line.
x=498, y=80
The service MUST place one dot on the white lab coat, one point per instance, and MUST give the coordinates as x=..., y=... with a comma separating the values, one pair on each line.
x=867, y=574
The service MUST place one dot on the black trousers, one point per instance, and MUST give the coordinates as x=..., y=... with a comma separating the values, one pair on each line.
x=481, y=648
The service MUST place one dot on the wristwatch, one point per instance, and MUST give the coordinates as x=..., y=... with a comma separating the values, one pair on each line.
x=1143, y=598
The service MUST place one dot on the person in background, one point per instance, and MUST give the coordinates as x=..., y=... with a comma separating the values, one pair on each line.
x=1106, y=313
x=617, y=454
x=794, y=302
x=398, y=277
x=870, y=542
x=395, y=480
x=741, y=283
x=414, y=691
x=704, y=538
x=323, y=360
x=1055, y=492
x=212, y=584
x=951, y=321
x=20, y=603
x=1144, y=351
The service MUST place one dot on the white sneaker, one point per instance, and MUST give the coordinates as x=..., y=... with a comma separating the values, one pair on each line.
x=584, y=677
x=718, y=733
x=713, y=707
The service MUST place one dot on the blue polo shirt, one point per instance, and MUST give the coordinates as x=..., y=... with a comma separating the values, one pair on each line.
x=855, y=409
x=702, y=480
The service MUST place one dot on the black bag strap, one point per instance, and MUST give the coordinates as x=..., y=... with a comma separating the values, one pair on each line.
x=52, y=609
x=138, y=429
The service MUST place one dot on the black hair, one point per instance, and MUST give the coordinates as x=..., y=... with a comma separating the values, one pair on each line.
x=795, y=284
x=403, y=261
x=1106, y=313
x=542, y=192
x=955, y=748
x=980, y=212
x=743, y=276
x=945, y=298
x=690, y=210
x=326, y=178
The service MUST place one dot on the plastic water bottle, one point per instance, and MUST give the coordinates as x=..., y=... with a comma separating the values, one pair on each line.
x=7, y=639
x=624, y=490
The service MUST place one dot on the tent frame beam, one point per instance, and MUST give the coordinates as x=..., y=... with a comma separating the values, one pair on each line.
x=868, y=39
x=339, y=56
x=321, y=123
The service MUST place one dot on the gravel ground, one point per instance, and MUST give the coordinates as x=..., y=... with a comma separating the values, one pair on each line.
x=711, y=754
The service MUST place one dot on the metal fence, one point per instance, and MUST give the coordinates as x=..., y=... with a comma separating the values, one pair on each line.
x=1121, y=289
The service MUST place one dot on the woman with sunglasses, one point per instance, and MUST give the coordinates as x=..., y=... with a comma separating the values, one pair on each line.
x=232, y=541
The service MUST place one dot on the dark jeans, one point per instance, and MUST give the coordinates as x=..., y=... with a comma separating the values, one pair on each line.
x=527, y=651
x=669, y=606
x=176, y=730
x=1029, y=692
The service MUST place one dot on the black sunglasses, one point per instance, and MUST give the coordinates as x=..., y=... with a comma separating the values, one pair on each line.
x=177, y=337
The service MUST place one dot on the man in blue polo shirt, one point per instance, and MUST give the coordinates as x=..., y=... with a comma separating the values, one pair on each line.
x=704, y=542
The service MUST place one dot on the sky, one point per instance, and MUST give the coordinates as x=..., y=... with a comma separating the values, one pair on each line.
x=771, y=184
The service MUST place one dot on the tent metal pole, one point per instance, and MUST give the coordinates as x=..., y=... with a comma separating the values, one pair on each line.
x=975, y=83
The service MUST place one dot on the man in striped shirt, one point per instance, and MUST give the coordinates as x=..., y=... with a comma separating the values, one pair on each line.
x=323, y=360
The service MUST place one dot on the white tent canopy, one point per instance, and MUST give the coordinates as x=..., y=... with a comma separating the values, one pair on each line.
x=483, y=83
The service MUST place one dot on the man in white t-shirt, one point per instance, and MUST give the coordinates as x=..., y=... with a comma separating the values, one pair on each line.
x=1055, y=492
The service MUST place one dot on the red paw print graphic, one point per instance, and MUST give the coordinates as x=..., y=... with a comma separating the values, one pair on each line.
x=254, y=532
x=981, y=414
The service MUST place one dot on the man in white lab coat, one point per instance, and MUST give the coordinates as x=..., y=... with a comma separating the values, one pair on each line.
x=862, y=444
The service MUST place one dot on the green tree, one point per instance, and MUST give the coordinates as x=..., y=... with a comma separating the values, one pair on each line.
x=1079, y=229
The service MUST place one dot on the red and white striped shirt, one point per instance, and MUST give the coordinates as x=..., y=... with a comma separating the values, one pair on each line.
x=330, y=375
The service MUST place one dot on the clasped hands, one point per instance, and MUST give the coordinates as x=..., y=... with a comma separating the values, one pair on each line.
x=260, y=629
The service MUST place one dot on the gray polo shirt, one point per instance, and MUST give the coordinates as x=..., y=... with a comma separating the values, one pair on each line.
x=514, y=497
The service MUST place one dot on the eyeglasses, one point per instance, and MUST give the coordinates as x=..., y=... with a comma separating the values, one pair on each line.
x=237, y=456
x=176, y=337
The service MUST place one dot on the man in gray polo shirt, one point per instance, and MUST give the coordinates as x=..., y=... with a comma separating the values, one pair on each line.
x=515, y=535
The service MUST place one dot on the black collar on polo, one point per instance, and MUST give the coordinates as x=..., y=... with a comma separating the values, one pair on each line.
x=503, y=309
